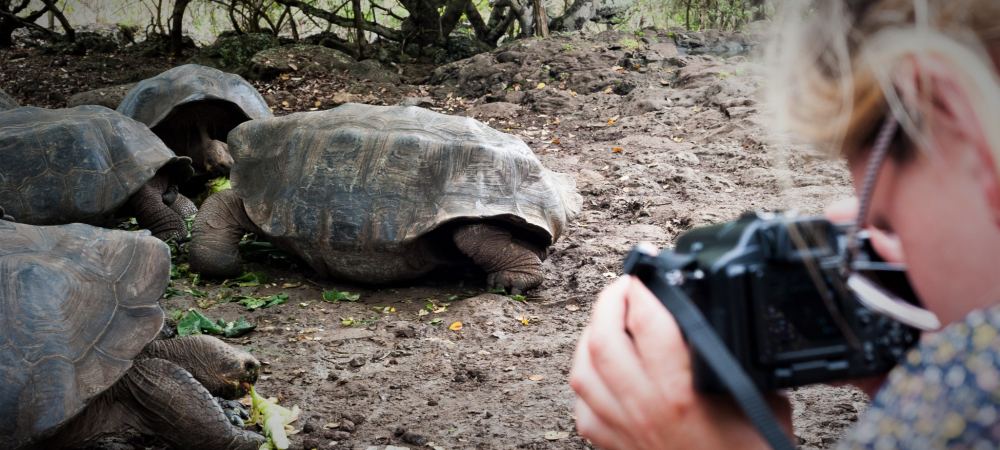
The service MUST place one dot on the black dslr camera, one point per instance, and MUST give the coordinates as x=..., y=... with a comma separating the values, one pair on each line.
x=773, y=289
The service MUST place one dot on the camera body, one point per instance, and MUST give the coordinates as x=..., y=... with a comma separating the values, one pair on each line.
x=773, y=290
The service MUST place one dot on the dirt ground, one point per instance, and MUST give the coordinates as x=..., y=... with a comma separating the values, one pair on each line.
x=659, y=140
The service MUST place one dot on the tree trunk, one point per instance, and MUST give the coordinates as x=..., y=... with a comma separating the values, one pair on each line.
x=359, y=27
x=687, y=15
x=541, y=19
x=6, y=33
x=176, y=26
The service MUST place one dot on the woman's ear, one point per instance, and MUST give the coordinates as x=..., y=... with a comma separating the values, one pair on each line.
x=932, y=86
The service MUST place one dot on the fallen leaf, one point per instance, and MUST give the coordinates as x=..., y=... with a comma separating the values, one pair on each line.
x=612, y=121
x=608, y=90
x=540, y=86
x=616, y=149
x=422, y=312
x=524, y=320
x=556, y=141
x=332, y=425
x=318, y=104
x=455, y=326
x=536, y=377
x=284, y=103
x=556, y=435
x=293, y=66
x=572, y=307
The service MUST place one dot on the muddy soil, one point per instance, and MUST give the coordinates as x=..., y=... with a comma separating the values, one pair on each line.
x=659, y=140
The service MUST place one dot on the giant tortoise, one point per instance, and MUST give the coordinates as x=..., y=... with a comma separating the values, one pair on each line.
x=89, y=164
x=6, y=101
x=193, y=108
x=78, y=359
x=384, y=193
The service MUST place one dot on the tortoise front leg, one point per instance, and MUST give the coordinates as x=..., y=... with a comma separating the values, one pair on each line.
x=153, y=214
x=510, y=263
x=163, y=399
x=215, y=239
x=156, y=397
x=184, y=206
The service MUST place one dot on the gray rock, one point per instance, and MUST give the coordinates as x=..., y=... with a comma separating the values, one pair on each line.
x=109, y=97
x=298, y=58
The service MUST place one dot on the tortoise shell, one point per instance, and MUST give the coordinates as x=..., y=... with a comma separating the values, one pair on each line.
x=155, y=100
x=362, y=179
x=6, y=101
x=78, y=164
x=77, y=304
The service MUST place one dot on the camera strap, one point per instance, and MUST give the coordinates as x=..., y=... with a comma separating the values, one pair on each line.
x=703, y=339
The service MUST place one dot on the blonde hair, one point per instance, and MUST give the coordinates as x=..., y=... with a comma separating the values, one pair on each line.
x=831, y=65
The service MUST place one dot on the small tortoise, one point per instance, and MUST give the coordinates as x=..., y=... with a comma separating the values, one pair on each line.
x=193, y=108
x=89, y=164
x=78, y=357
x=384, y=193
x=6, y=101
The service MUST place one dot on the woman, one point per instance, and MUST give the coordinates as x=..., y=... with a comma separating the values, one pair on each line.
x=841, y=71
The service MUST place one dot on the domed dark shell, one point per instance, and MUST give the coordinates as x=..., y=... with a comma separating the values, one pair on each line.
x=153, y=100
x=344, y=185
x=76, y=165
x=77, y=304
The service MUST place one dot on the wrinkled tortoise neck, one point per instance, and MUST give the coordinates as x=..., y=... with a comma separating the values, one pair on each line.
x=215, y=238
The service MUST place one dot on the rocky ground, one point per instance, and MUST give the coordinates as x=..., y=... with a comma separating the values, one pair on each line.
x=659, y=139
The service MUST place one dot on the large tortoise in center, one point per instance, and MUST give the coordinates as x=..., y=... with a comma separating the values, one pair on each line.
x=78, y=355
x=386, y=193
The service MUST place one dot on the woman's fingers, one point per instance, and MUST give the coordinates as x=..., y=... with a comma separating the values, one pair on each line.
x=612, y=353
x=658, y=340
x=590, y=388
x=592, y=427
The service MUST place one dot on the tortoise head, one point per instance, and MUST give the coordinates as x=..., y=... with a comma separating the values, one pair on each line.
x=224, y=370
x=216, y=157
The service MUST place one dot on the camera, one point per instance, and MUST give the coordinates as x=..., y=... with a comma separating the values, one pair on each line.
x=774, y=290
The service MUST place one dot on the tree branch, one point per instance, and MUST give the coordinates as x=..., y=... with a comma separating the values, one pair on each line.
x=380, y=30
x=67, y=29
x=452, y=13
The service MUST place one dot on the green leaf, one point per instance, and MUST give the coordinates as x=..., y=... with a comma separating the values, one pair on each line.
x=218, y=184
x=252, y=303
x=238, y=328
x=249, y=279
x=518, y=298
x=172, y=292
x=272, y=419
x=193, y=322
x=176, y=314
x=340, y=296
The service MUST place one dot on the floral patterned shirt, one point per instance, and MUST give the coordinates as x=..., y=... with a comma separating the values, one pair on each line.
x=946, y=394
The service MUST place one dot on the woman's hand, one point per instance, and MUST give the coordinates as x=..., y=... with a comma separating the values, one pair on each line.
x=632, y=376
